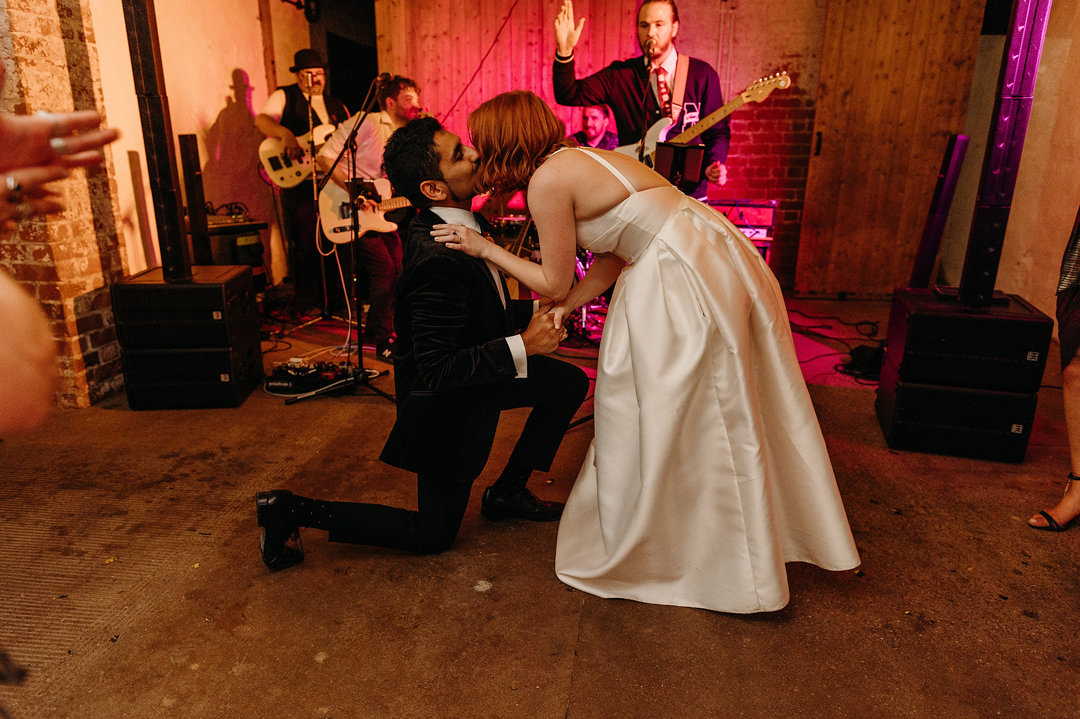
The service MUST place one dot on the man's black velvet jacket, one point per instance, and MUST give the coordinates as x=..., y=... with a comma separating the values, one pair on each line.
x=451, y=358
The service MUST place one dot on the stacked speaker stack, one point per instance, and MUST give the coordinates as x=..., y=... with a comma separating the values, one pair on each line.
x=962, y=381
x=192, y=344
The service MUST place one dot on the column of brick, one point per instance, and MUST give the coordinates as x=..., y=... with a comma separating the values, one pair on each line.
x=770, y=153
x=67, y=261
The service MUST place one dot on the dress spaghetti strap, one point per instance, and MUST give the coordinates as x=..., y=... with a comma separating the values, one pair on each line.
x=608, y=165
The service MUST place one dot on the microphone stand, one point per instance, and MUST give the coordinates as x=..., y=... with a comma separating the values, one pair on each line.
x=645, y=105
x=315, y=188
x=362, y=375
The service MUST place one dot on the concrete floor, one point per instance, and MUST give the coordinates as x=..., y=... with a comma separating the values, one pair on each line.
x=131, y=584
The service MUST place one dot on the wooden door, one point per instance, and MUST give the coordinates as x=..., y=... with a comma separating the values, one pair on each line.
x=895, y=78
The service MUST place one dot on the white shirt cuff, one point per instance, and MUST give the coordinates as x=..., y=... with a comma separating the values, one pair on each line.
x=521, y=360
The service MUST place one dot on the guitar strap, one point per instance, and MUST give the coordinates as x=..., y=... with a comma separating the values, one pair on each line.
x=682, y=69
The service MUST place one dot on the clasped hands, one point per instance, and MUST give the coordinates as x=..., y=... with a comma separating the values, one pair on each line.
x=472, y=243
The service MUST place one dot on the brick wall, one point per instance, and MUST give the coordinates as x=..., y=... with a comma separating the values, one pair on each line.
x=770, y=153
x=66, y=261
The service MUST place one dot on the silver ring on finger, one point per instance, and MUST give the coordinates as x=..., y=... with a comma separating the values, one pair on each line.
x=59, y=145
x=14, y=190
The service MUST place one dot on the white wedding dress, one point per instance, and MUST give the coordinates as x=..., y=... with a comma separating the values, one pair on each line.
x=708, y=470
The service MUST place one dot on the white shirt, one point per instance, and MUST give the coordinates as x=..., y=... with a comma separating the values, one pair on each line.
x=458, y=216
x=370, y=141
x=275, y=106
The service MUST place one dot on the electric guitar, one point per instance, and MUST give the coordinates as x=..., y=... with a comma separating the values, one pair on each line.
x=336, y=212
x=658, y=132
x=284, y=172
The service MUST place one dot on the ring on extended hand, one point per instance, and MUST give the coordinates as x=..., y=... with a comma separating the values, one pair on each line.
x=14, y=190
x=59, y=145
x=24, y=210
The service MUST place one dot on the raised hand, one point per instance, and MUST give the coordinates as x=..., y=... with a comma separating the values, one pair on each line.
x=566, y=33
x=64, y=139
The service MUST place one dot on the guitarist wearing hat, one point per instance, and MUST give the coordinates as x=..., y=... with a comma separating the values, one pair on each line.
x=287, y=116
x=653, y=77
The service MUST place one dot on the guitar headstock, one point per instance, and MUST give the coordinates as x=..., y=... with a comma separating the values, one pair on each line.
x=764, y=87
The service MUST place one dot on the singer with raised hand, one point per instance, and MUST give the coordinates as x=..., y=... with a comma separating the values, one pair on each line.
x=290, y=113
x=642, y=90
x=379, y=253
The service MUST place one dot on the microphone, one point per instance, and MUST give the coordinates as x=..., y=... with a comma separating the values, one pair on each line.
x=648, y=51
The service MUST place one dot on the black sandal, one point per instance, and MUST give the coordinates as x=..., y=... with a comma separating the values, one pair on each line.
x=1051, y=523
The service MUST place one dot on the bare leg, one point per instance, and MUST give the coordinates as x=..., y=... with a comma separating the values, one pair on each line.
x=1069, y=506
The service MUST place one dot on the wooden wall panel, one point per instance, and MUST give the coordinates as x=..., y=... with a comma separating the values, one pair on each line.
x=895, y=77
x=440, y=44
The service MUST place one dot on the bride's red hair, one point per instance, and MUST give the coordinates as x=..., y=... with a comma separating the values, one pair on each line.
x=514, y=132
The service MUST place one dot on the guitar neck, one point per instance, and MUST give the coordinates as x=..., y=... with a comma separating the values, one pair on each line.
x=394, y=203
x=709, y=121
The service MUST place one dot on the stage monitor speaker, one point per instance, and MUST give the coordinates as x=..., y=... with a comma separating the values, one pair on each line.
x=188, y=345
x=955, y=421
x=934, y=340
x=216, y=309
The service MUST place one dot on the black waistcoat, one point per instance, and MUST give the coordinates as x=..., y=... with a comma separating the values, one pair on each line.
x=295, y=114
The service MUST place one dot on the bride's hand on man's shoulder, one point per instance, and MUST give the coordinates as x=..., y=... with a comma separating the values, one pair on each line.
x=460, y=237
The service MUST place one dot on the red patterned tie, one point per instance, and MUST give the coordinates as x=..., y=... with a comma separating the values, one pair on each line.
x=663, y=91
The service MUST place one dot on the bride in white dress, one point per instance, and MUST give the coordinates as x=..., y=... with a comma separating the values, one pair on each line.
x=708, y=471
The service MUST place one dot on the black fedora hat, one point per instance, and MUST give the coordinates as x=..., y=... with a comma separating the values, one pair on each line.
x=306, y=59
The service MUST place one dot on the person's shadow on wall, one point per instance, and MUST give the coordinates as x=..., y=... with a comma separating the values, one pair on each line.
x=231, y=171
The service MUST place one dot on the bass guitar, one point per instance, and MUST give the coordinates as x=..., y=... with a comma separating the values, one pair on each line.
x=336, y=212
x=284, y=172
x=658, y=132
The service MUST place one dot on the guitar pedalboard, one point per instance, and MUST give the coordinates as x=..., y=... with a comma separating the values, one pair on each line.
x=299, y=377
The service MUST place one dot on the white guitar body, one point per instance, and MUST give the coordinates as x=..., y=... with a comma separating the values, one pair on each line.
x=660, y=130
x=657, y=133
x=284, y=172
x=335, y=212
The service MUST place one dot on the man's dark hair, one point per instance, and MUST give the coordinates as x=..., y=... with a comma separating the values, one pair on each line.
x=392, y=87
x=411, y=157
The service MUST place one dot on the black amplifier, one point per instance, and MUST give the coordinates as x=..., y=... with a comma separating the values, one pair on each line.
x=215, y=309
x=188, y=345
x=933, y=340
x=957, y=421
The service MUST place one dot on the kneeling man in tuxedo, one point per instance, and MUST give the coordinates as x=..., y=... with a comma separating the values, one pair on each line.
x=461, y=358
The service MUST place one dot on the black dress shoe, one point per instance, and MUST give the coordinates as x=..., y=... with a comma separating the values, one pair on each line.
x=523, y=505
x=274, y=512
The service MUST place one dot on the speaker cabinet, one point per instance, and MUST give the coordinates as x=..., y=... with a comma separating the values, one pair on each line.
x=960, y=422
x=188, y=345
x=961, y=381
x=933, y=340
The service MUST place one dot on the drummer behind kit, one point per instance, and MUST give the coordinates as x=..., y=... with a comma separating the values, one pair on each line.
x=284, y=172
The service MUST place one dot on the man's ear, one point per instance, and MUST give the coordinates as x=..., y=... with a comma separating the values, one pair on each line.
x=433, y=190
x=674, y=29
